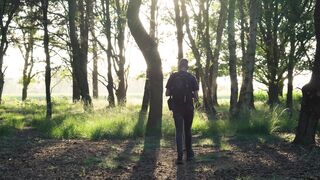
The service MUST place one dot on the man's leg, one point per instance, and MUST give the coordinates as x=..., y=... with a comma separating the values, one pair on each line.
x=188, y=119
x=178, y=120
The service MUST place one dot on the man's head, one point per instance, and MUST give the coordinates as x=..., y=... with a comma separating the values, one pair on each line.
x=183, y=65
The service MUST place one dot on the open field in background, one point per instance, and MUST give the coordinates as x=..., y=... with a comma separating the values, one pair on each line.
x=70, y=121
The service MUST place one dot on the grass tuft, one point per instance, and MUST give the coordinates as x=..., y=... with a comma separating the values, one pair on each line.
x=70, y=121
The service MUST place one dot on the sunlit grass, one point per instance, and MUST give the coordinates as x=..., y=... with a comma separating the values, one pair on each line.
x=71, y=121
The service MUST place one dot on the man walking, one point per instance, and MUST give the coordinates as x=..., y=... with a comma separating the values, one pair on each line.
x=182, y=87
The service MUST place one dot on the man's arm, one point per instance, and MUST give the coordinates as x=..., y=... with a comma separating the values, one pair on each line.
x=195, y=96
x=169, y=85
x=168, y=93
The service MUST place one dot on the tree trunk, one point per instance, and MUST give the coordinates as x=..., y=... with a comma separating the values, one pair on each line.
x=207, y=99
x=9, y=9
x=146, y=96
x=179, y=26
x=243, y=26
x=95, y=88
x=153, y=27
x=215, y=61
x=310, y=105
x=76, y=96
x=110, y=86
x=121, y=91
x=1, y=85
x=273, y=93
x=272, y=17
x=80, y=50
x=24, y=92
x=122, y=88
x=232, y=58
x=246, y=93
x=45, y=4
x=150, y=52
x=289, y=102
x=27, y=53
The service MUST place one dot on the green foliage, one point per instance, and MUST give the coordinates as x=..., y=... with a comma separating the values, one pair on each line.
x=261, y=96
x=70, y=121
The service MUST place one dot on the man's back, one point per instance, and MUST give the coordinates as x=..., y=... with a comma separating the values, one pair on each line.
x=182, y=85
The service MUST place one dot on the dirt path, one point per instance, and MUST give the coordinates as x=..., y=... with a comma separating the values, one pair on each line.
x=27, y=156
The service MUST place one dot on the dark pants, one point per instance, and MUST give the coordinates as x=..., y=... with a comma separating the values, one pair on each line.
x=183, y=117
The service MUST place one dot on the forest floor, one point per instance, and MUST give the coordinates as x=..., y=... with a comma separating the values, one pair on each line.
x=27, y=155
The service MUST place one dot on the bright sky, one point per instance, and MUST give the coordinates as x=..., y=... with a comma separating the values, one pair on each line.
x=167, y=49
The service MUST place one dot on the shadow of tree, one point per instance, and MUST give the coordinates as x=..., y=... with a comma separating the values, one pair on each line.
x=147, y=164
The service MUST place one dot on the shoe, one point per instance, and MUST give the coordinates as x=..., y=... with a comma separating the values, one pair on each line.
x=190, y=156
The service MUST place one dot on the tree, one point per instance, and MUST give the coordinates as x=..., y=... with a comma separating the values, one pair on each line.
x=7, y=11
x=282, y=22
x=80, y=49
x=213, y=59
x=150, y=52
x=179, y=26
x=119, y=59
x=274, y=41
x=232, y=58
x=95, y=89
x=207, y=98
x=44, y=7
x=114, y=11
x=26, y=23
x=152, y=33
x=310, y=105
x=106, y=25
x=299, y=13
x=246, y=92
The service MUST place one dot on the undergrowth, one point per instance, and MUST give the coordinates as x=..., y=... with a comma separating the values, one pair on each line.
x=70, y=121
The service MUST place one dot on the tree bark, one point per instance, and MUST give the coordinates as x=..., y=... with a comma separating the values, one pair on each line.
x=146, y=96
x=179, y=27
x=80, y=50
x=45, y=4
x=291, y=60
x=76, y=96
x=310, y=105
x=232, y=58
x=215, y=59
x=245, y=102
x=243, y=27
x=153, y=24
x=121, y=91
x=152, y=33
x=289, y=102
x=150, y=52
x=107, y=28
x=95, y=87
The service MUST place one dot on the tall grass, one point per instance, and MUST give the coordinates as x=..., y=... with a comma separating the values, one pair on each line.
x=70, y=121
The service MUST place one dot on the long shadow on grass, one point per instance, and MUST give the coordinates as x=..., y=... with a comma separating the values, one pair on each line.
x=272, y=158
x=138, y=128
x=145, y=167
x=147, y=164
x=138, y=132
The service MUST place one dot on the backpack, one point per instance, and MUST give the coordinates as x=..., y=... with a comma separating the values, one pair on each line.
x=181, y=90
